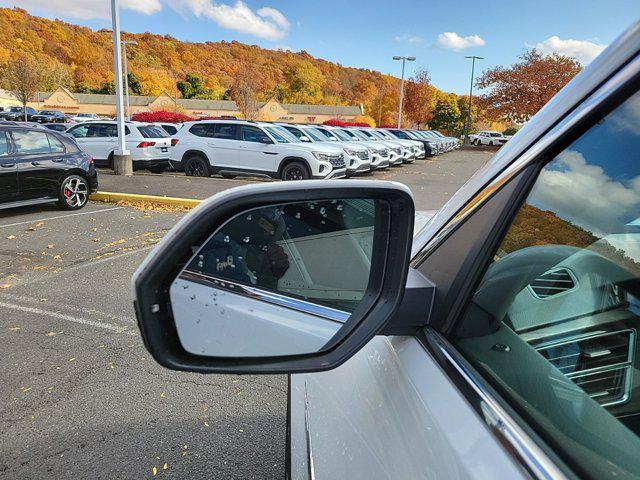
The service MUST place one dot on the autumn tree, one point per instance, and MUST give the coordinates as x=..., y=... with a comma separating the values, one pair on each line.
x=419, y=98
x=193, y=87
x=446, y=115
x=304, y=83
x=244, y=92
x=22, y=77
x=518, y=92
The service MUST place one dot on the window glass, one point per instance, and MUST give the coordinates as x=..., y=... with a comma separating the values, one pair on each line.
x=170, y=129
x=253, y=134
x=226, y=131
x=27, y=142
x=103, y=130
x=554, y=321
x=280, y=248
x=55, y=145
x=295, y=132
x=281, y=137
x=152, y=131
x=4, y=145
x=80, y=131
x=202, y=130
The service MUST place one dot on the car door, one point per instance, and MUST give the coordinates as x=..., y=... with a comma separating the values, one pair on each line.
x=257, y=150
x=40, y=162
x=8, y=170
x=528, y=367
x=79, y=132
x=222, y=139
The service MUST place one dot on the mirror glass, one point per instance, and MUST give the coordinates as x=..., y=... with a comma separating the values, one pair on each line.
x=277, y=280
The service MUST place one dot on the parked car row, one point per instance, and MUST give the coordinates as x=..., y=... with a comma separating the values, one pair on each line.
x=17, y=114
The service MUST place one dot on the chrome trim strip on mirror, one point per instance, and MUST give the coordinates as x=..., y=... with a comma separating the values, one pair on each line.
x=273, y=298
x=518, y=444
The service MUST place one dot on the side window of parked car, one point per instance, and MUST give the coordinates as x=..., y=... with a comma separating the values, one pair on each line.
x=55, y=144
x=4, y=145
x=202, y=130
x=225, y=131
x=27, y=142
x=252, y=134
x=554, y=321
x=80, y=131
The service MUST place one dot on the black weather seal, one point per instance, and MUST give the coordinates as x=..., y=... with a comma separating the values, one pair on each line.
x=415, y=309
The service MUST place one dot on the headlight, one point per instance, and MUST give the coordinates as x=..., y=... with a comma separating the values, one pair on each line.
x=321, y=156
x=348, y=151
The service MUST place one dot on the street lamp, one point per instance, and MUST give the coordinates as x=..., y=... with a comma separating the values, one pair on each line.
x=404, y=59
x=121, y=158
x=468, y=127
x=126, y=72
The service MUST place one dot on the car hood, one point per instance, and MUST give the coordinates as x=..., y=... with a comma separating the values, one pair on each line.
x=310, y=147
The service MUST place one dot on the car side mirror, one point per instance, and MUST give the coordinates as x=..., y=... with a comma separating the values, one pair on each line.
x=266, y=140
x=304, y=138
x=276, y=278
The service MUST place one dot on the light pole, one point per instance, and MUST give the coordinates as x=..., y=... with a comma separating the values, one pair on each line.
x=126, y=72
x=468, y=127
x=121, y=158
x=404, y=59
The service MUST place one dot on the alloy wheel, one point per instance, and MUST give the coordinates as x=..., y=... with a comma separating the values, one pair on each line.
x=294, y=173
x=75, y=192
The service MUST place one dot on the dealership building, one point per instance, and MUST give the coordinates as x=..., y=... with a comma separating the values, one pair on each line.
x=105, y=105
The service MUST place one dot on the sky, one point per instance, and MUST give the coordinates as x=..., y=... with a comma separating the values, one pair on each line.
x=367, y=34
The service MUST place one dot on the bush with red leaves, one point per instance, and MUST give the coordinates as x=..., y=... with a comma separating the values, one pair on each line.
x=339, y=123
x=160, y=116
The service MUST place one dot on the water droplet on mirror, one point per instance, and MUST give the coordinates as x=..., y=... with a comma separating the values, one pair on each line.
x=226, y=239
x=340, y=207
x=200, y=264
x=155, y=308
x=322, y=222
x=298, y=215
x=192, y=297
x=201, y=257
x=249, y=218
x=264, y=248
x=246, y=239
x=312, y=206
x=323, y=211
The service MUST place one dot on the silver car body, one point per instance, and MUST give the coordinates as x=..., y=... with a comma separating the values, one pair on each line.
x=404, y=408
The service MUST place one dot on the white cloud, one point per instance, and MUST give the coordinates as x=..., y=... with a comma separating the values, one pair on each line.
x=407, y=38
x=597, y=203
x=267, y=22
x=453, y=41
x=582, y=50
x=83, y=9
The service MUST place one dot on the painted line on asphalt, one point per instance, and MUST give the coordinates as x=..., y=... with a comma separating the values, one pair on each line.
x=62, y=216
x=67, y=318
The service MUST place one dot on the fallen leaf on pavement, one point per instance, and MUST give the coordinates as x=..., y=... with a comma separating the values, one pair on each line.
x=25, y=389
x=5, y=285
x=11, y=237
x=50, y=246
x=57, y=257
x=163, y=395
x=53, y=334
x=165, y=466
x=72, y=359
x=206, y=424
x=154, y=471
x=14, y=329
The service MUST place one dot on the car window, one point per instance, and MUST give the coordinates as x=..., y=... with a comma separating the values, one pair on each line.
x=152, y=131
x=276, y=248
x=554, y=321
x=55, y=145
x=102, y=130
x=253, y=134
x=296, y=132
x=26, y=142
x=170, y=129
x=225, y=131
x=4, y=144
x=80, y=131
x=202, y=130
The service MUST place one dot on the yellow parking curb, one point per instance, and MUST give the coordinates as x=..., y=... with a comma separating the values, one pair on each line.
x=114, y=197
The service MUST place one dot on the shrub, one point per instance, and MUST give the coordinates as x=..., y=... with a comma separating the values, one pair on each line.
x=340, y=123
x=510, y=131
x=160, y=116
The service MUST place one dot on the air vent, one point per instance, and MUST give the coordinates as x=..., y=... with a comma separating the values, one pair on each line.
x=601, y=363
x=553, y=283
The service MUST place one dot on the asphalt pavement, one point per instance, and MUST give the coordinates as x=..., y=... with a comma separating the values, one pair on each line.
x=79, y=395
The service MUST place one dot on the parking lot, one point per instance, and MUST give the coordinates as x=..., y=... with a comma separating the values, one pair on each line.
x=81, y=397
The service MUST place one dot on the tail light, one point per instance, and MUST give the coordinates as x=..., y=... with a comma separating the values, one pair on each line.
x=89, y=159
x=146, y=144
x=174, y=142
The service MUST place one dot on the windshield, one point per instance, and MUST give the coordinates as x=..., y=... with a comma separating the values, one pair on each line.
x=340, y=135
x=314, y=134
x=281, y=135
x=48, y=112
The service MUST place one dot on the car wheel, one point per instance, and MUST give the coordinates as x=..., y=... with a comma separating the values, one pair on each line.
x=196, y=166
x=295, y=171
x=110, y=161
x=74, y=192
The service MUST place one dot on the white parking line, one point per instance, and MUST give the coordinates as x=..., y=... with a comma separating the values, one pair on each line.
x=68, y=318
x=61, y=216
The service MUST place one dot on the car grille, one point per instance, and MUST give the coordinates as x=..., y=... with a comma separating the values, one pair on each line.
x=384, y=153
x=363, y=155
x=336, y=160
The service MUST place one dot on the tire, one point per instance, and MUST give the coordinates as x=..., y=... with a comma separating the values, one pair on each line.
x=110, y=161
x=73, y=193
x=196, y=166
x=295, y=171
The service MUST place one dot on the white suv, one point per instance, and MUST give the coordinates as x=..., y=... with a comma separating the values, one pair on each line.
x=149, y=144
x=233, y=148
x=379, y=153
x=488, y=137
x=358, y=158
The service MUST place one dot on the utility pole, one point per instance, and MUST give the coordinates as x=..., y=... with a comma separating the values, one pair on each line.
x=468, y=126
x=122, y=164
x=404, y=59
x=126, y=73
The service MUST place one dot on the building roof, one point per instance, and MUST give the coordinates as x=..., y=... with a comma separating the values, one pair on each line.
x=197, y=104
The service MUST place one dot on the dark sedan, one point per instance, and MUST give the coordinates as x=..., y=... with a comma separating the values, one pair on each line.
x=43, y=166
x=17, y=114
x=49, y=116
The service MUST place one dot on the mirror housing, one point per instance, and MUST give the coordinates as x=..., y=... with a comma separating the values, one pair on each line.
x=152, y=281
x=266, y=140
x=305, y=139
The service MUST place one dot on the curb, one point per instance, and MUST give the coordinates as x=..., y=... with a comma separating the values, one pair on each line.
x=114, y=197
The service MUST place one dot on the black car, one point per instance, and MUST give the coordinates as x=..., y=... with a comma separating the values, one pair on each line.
x=49, y=116
x=43, y=166
x=16, y=114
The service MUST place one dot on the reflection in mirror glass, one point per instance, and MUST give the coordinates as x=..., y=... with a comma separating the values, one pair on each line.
x=276, y=280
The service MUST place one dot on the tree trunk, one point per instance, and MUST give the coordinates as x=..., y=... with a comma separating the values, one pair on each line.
x=24, y=110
